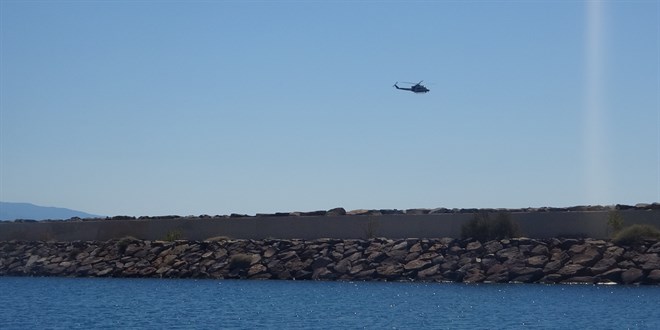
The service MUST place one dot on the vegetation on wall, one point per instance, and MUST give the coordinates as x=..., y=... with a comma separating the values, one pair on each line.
x=636, y=234
x=483, y=228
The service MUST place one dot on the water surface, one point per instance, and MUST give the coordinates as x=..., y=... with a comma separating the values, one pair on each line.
x=82, y=303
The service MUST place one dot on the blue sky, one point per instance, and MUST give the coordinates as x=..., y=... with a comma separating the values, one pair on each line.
x=214, y=107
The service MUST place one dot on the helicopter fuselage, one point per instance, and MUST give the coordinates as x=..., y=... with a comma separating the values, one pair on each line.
x=417, y=88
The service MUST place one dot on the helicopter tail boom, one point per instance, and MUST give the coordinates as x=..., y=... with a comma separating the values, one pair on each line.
x=403, y=88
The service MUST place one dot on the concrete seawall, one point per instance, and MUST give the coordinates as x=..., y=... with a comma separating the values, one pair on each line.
x=532, y=224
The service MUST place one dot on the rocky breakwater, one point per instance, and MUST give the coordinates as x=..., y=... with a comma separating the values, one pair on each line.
x=442, y=260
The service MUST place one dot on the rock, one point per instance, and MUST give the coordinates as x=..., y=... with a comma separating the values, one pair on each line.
x=509, y=253
x=613, y=275
x=613, y=252
x=632, y=275
x=31, y=261
x=560, y=256
x=474, y=276
x=654, y=277
x=104, y=272
x=625, y=264
x=655, y=248
x=539, y=250
x=389, y=271
x=365, y=274
x=577, y=249
x=416, y=248
x=551, y=278
x=474, y=247
x=358, y=212
x=602, y=266
x=313, y=213
x=338, y=211
x=648, y=262
x=343, y=266
x=588, y=257
x=323, y=273
x=498, y=273
x=400, y=246
x=416, y=264
x=256, y=269
x=131, y=249
x=538, y=261
x=525, y=274
x=568, y=243
x=321, y=263
x=376, y=257
x=492, y=247
x=417, y=211
x=270, y=251
x=428, y=272
x=574, y=270
x=439, y=210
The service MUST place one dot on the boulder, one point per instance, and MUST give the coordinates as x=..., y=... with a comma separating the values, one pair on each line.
x=653, y=277
x=539, y=250
x=474, y=247
x=400, y=246
x=474, y=276
x=613, y=252
x=343, y=266
x=389, y=271
x=376, y=257
x=648, y=262
x=323, y=273
x=551, y=278
x=525, y=274
x=538, y=261
x=321, y=263
x=568, y=243
x=632, y=275
x=498, y=273
x=416, y=264
x=257, y=269
x=602, y=266
x=509, y=253
x=577, y=249
x=655, y=248
x=358, y=212
x=613, y=275
x=574, y=270
x=492, y=247
x=336, y=212
x=313, y=213
x=588, y=257
x=428, y=272
x=270, y=251
x=417, y=211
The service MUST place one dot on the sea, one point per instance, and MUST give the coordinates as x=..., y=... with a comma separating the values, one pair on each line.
x=112, y=303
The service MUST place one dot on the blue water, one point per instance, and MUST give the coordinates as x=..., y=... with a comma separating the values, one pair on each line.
x=83, y=303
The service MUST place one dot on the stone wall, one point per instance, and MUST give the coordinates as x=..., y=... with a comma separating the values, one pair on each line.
x=379, y=259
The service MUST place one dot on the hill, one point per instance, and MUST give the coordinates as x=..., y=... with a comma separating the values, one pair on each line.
x=13, y=211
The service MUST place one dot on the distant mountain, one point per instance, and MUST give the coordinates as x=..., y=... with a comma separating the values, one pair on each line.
x=13, y=211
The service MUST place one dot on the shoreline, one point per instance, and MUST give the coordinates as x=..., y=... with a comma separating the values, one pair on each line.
x=517, y=260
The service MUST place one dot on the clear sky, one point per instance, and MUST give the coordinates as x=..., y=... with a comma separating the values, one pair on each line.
x=218, y=107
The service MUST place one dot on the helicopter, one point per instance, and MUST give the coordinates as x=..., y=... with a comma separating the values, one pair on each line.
x=416, y=88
